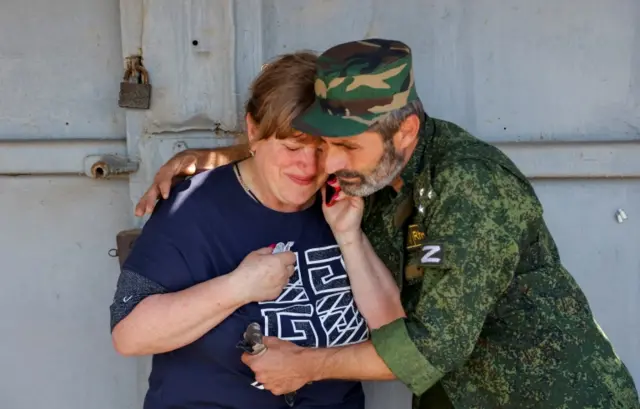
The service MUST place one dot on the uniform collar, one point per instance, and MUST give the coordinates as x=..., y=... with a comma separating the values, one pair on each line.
x=417, y=162
x=401, y=205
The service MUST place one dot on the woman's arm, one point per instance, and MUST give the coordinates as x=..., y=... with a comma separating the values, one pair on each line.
x=147, y=319
x=164, y=322
x=374, y=288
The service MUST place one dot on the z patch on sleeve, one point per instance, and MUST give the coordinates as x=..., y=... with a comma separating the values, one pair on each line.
x=431, y=254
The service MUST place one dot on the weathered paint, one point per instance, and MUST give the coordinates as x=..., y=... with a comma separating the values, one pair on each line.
x=57, y=284
x=60, y=69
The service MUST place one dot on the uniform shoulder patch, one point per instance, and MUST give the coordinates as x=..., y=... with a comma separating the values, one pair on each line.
x=431, y=254
x=415, y=237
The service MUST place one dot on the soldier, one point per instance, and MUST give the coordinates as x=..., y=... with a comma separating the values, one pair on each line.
x=492, y=317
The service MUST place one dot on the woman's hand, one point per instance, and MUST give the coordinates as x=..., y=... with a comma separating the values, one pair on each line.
x=343, y=213
x=262, y=276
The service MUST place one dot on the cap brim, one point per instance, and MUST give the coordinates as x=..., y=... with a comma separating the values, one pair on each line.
x=315, y=121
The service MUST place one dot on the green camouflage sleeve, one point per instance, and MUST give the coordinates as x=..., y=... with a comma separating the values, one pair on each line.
x=467, y=260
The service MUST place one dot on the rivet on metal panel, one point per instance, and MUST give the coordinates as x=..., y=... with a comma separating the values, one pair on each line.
x=105, y=166
x=203, y=27
x=621, y=216
x=179, y=146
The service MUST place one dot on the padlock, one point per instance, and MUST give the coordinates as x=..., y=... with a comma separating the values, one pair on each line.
x=136, y=95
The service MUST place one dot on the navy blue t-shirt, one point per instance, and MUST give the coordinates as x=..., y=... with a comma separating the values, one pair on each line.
x=204, y=230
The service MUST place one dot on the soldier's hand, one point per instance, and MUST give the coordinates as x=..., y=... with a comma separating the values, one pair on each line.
x=282, y=368
x=178, y=167
x=261, y=276
x=183, y=164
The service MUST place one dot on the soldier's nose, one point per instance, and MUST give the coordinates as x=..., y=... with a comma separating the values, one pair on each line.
x=334, y=162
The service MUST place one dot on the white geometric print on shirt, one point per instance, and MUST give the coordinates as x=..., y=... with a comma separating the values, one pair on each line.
x=294, y=290
x=341, y=321
x=340, y=318
x=289, y=316
x=294, y=319
x=323, y=263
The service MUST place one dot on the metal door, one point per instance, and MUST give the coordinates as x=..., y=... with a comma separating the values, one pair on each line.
x=554, y=84
x=59, y=69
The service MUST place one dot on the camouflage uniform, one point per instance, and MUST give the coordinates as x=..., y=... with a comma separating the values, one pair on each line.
x=493, y=318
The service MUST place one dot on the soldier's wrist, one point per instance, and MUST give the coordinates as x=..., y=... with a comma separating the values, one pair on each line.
x=314, y=364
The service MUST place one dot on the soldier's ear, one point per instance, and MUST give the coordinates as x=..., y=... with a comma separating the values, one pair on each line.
x=408, y=132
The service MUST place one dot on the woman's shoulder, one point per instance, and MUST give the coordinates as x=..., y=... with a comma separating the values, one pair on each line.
x=220, y=175
x=198, y=195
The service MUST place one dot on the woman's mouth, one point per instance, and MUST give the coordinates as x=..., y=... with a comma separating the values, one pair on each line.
x=302, y=181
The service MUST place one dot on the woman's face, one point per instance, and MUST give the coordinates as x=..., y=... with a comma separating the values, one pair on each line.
x=291, y=169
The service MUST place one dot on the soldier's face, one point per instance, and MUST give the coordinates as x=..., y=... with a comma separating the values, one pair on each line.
x=368, y=162
x=363, y=168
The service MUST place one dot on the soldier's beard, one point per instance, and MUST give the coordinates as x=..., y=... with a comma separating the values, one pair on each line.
x=388, y=168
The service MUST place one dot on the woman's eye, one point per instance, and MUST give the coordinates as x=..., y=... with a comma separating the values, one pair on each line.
x=292, y=148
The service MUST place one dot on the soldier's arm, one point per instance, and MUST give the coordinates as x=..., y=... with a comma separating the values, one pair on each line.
x=359, y=362
x=207, y=159
x=468, y=260
x=186, y=163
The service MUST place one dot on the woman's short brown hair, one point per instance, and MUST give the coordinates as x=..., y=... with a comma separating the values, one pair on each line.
x=283, y=89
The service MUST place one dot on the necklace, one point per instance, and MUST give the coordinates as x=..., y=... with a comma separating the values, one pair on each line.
x=236, y=170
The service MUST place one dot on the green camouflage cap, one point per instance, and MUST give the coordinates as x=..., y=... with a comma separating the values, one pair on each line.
x=357, y=83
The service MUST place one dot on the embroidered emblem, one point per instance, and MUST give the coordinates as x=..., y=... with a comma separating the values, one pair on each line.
x=415, y=237
x=432, y=254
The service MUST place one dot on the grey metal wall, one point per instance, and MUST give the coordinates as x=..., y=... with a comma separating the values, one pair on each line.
x=555, y=84
x=60, y=63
